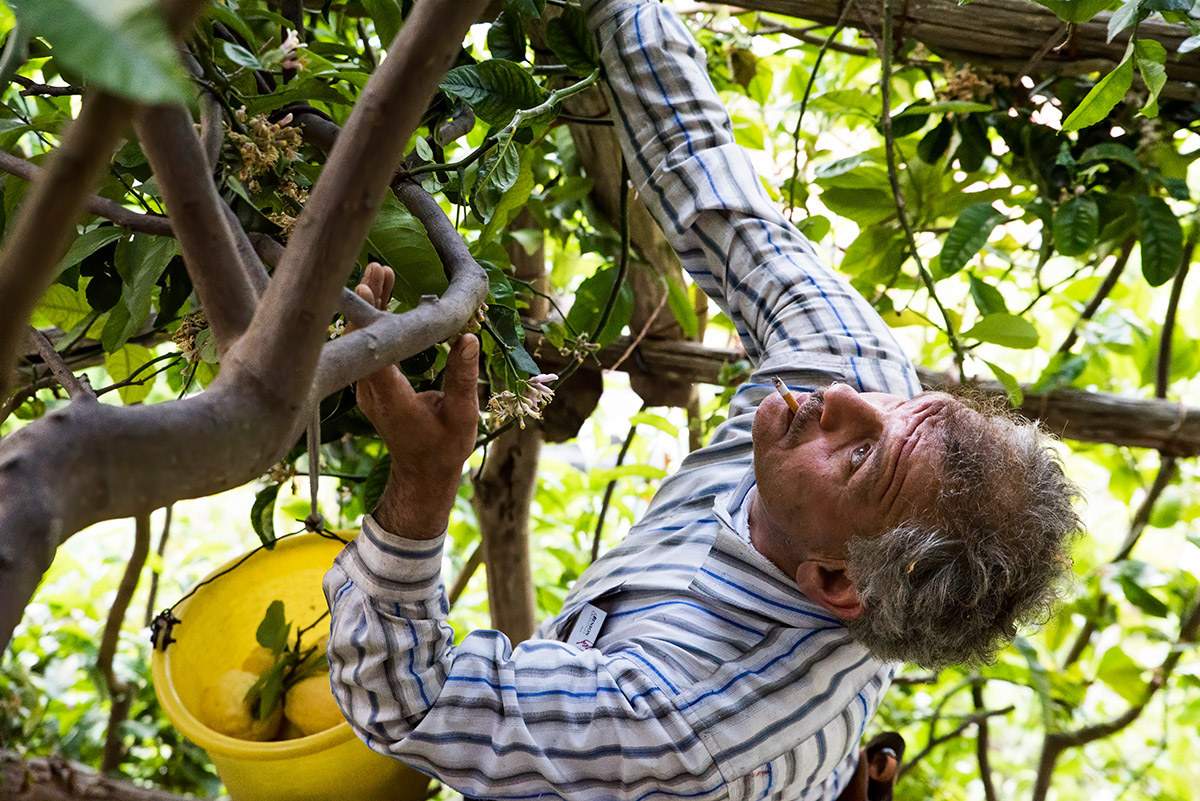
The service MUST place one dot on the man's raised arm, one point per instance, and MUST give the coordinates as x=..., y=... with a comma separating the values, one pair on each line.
x=706, y=195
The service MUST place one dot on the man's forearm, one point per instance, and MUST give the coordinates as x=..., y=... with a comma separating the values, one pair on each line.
x=407, y=514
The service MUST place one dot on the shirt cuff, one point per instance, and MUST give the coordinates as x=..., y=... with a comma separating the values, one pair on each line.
x=391, y=567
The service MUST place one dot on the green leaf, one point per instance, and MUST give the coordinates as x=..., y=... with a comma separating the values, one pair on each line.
x=515, y=198
x=683, y=309
x=272, y=632
x=934, y=144
x=495, y=89
x=1111, y=151
x=1122, y=674
x=1076, y=10
x=88, y=243
x=399, y=240
x=1016, y=395
x=506, y=324
x=656, y=420
x=375, y=482
x=1123, y=17
x=1161, y=238
x=262, y=515
x=64, y=307
x=388, y=16
x=570, y=39
x=1142, y=598
x=1151, y=58
x=968, y=234
x=987, y=298
x=264, y=695
x=1061, y=372
x=122, y=364
x=140, y=261
x=1039, y=679
x=240, y=55
x=1076, y=224
x=506, y=37
x=590, y=300
x=945, y=107
x=1008, y=330
x=1104, y=96
x=863, y=206
x=527, y=8
x=1189, y=44
x=120, y=45
x=497, y=174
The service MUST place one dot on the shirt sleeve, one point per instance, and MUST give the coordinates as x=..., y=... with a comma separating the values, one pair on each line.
x=543, y=719
x=788, y=306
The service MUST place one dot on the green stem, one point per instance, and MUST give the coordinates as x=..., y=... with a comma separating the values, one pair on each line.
x=508, y=131
x=812, y=79
x=885, y=57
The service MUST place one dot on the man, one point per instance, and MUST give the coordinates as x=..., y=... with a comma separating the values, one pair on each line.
x=740, y=629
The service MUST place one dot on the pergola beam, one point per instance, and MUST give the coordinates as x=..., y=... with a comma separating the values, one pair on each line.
x=1017, y=37
x=1071, y=414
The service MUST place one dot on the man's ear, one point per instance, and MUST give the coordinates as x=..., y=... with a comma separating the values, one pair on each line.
x=828, y=585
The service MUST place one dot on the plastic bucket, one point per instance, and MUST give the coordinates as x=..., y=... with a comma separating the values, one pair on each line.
x=216, y=633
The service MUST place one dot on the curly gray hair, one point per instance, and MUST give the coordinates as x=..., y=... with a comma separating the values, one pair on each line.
x=987, y=555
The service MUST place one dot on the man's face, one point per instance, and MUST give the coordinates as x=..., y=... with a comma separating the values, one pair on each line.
x=848, y=463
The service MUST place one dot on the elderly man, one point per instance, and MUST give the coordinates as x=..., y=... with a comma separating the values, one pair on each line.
x=736, y=644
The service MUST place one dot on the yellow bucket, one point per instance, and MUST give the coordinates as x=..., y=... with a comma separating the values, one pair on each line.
x=216, y=634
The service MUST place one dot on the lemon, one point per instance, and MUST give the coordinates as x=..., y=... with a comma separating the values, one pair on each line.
x=260, y=661
x=310, y=706
x=223, y=708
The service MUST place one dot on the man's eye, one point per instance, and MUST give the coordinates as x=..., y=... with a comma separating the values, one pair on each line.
x=858, y=456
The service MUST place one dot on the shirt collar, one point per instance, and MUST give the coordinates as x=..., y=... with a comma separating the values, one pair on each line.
x=733, y=506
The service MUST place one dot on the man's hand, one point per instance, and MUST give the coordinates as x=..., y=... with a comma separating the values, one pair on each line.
x=428, y=434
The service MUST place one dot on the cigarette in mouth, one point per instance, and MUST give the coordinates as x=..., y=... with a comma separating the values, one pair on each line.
x=787, y=396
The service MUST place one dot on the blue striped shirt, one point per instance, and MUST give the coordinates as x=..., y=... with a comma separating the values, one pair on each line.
x=712, y=677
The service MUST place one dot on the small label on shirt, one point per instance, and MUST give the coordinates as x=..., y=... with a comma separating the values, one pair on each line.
x=587, y=627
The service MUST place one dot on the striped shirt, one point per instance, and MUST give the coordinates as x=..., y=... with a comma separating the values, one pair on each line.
x=712, y=676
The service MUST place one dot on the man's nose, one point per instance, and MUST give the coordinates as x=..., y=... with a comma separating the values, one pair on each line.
x=847, y=411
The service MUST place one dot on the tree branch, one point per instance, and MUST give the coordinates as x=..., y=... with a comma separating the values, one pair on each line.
x=1071, y=414
x=120, y=693
x=1102, y=292
x=1162, y=376
x=61, y=473
x=392, y=337
x=199, y=220
x=967, y=722
x=1055, y=743
x=283, y=342
x=981, y=744
x=76, y=388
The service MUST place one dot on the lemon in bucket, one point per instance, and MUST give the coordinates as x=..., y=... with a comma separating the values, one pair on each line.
x=215, y=640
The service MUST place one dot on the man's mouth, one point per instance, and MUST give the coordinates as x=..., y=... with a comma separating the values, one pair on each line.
x=810, y=411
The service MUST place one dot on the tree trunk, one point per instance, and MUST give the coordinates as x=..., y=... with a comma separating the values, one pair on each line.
x=504, y=489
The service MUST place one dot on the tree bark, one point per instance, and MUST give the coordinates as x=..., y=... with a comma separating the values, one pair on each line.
x=503, y=493
x=56, y=779
x=1013, y=36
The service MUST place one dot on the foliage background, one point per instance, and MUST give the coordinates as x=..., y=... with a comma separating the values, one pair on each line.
x=1017, y=225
